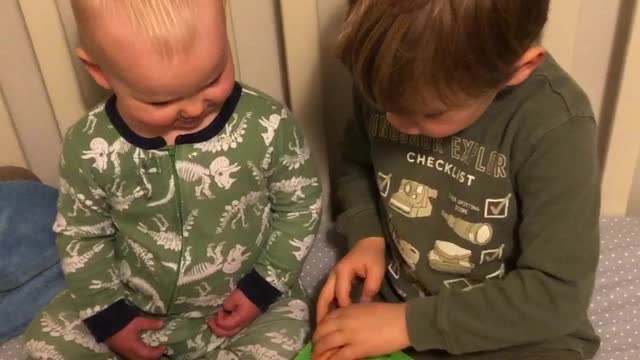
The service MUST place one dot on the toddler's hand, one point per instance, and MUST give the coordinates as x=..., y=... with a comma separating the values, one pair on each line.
x=360, y=331
x=238, y=313
x=128, y=343
x=366, y=260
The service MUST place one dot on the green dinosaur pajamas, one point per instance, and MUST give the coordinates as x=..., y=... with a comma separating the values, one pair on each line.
x=278, y=334
x=146, y=228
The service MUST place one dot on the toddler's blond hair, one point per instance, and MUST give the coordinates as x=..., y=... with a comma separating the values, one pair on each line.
x=167, y=24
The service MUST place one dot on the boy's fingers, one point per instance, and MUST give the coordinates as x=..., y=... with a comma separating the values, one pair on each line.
x=372, y=283
x=330, y=342
x=326, y=355
x=327, y=294
x=344, y=279
x=344, y=353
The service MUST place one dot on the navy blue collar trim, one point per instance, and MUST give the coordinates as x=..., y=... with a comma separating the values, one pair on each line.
x=216, y=126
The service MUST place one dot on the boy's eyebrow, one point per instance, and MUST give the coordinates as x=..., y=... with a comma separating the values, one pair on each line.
x=215, y=74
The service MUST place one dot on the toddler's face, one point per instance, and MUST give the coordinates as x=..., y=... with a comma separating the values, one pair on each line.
x=157, y=95
x=441, y=121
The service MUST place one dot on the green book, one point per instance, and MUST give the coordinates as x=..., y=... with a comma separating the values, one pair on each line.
x=305, y=354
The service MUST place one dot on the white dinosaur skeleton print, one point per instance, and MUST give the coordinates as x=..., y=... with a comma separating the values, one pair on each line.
x=235, y=259
x=113, y=284
x=92, y=119
x=296, y=309
x=281, y=338
x=74, y=260
x=101, y=153
x=80, y=201
x=201, y=270
x=220, y=169
x=313, y=213
x=42, y=351
x=164, y=237
x=87, y=313
x=143, y=255
x=230, y=138
x=142, y=286
x=303, y=246
x=295, y=186
x=205, y=297
x=120, y=201
x=278, y=278
x=70, y=331
x=261, y=352
x=237, y=210
x=271, y=125
x=300, y=154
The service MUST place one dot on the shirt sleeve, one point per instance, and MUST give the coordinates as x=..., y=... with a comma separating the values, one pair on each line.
x=85, y=242
x=295, y=197
x=356, y=187
x=548, y=292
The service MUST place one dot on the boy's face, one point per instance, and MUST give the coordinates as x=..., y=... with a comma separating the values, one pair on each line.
x=440, y=121
x=158, y=96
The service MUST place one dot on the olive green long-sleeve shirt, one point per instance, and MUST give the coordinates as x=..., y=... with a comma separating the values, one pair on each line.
x=492, y=234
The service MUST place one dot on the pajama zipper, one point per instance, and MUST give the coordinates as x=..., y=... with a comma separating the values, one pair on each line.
x=172, y=155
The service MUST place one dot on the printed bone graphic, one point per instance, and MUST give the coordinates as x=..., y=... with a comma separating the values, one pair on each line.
x=477, y=233
x=412, y=199
x=450, y=258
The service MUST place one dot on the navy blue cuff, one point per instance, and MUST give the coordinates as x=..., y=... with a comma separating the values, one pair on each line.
x=258, y=290
x=111, y=320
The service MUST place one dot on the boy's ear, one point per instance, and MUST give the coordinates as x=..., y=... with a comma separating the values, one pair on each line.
x=93, y=68
x=527, y=64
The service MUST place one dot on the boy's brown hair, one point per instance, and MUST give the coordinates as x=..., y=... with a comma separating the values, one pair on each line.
x=451, y=49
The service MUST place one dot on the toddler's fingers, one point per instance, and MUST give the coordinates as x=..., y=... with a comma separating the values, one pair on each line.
x=144, y=323
x=146, y=352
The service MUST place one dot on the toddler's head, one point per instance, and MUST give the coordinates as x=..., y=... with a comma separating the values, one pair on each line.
x=168, y=61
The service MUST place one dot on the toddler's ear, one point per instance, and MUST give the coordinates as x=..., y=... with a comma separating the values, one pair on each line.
x=93, y=68
x=527, y=64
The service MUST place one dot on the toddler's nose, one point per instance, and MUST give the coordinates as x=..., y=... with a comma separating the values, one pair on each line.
x=193, y=109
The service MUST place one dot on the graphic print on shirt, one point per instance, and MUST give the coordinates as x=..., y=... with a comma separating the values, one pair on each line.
x=384, y=184
x=409, y=253
x=413, y=199
x=450, y=258
x=478, y=233
x=462, y=284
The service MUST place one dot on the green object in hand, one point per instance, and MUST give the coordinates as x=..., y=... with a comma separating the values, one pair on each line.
x=305, y=354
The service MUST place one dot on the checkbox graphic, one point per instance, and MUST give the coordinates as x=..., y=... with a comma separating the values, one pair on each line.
x=497, y=208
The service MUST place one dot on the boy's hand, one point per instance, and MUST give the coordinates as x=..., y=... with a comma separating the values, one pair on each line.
x=238, y=312
x=362, y=330
x=128, y=343
x=365, y=260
